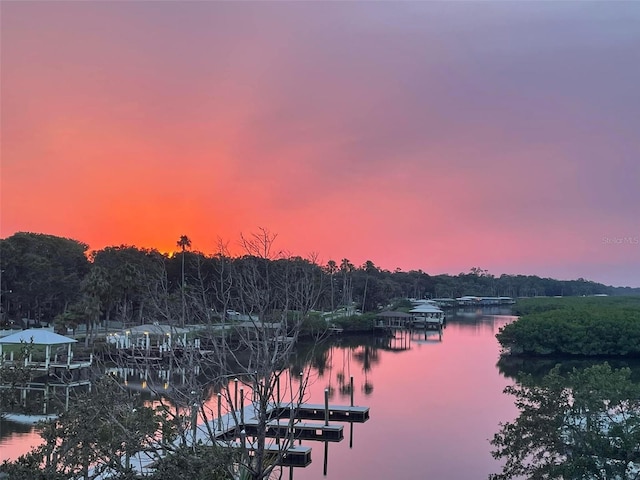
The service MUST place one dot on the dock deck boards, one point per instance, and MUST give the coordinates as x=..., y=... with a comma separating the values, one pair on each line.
x=224, y=431
x=337, y=413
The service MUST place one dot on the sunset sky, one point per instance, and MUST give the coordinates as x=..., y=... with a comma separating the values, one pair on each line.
x=421, y=135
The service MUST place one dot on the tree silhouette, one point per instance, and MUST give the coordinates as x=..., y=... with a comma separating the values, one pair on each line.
x=331, y=269
x=184, y=243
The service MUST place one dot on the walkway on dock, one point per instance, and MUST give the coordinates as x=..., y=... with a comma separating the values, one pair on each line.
x=233, y=430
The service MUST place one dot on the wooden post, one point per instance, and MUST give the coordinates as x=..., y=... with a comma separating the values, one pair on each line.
x=350, y=434
x=46, y=399
x=351, y=389
x=47, y=355
x=291, y=419
x=235, y=394
x=326, y=406
x=194, y=422
x=326, y=458
x=301, y=388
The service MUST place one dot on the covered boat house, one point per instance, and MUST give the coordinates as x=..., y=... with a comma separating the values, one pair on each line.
x=42, y=337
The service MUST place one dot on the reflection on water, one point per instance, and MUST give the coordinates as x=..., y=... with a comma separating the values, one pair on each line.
x=515, y=367
x=435, y=401
x=581, y=423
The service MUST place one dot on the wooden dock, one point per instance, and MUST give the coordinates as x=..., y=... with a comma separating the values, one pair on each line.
x=49, y=367
x=295, y=456
x=281, y=416
x=286, y=420
x=337, y=413
x=45, y=387
x=232, y=429
x=299, y=431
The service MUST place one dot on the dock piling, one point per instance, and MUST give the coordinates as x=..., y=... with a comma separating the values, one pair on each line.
x=326, y=406
x=350, y=434
x=301, y=388
x=235, y=394
x=351, y=389
x=326, y=458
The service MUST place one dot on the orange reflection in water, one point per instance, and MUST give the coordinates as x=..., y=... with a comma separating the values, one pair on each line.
x=18, y=444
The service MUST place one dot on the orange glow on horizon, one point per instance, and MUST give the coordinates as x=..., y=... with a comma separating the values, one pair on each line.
x=385, y=132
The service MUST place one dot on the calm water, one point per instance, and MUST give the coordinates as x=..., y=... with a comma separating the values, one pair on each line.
x=434, y=405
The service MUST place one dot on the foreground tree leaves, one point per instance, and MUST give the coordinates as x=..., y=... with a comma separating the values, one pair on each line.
x=195, y=463
x=106, y=427
x=585, y=425
x=28, y=467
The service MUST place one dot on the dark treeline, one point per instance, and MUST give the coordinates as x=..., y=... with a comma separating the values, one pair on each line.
x=47, y=278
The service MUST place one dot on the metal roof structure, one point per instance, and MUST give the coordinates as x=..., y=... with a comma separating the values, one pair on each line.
x=426, y=308
x=37, y=336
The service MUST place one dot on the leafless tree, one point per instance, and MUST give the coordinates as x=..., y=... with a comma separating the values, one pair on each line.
x=250, y=310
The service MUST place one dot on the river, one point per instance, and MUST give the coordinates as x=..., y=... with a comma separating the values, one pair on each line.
x=435, y=402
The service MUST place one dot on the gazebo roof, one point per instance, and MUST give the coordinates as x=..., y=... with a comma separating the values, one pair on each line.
x=425, y=309
x=39, y=336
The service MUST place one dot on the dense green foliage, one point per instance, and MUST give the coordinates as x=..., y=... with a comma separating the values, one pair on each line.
x=357, y=323
x=583, y=425
x=596, y=326
x=41, y=274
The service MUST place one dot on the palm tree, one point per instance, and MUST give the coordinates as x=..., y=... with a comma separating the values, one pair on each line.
x=184, y=242
x=368, y=268
x=332, y=268
x=346, y=268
